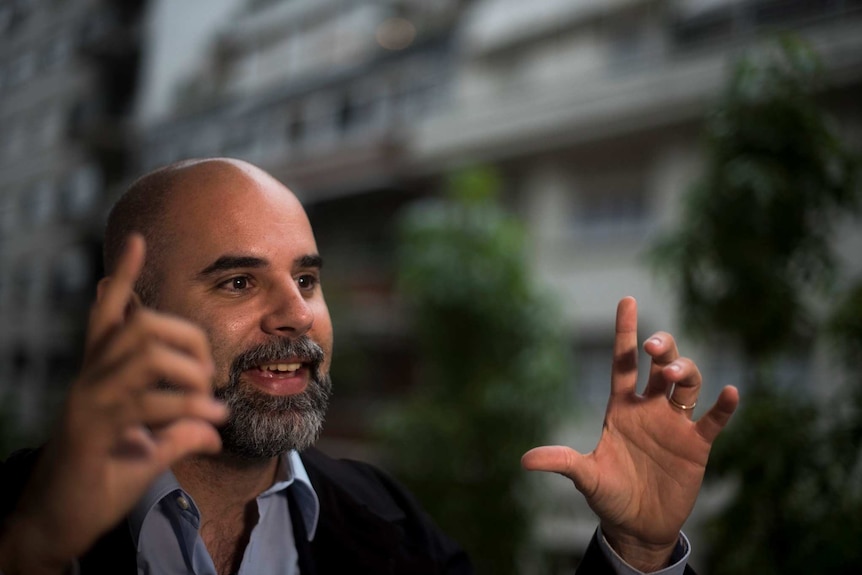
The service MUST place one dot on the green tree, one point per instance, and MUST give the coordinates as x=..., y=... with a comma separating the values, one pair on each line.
x=491, y=360
x=752, y=248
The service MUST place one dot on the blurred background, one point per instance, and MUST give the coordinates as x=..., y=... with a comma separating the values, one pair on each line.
x=486, y=179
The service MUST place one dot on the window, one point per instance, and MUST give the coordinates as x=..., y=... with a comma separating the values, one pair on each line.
x=346, y=114
x=50, y=126
x=627, y=42
x=8, y=212
x=296, y=126
x=611, y=205
x=709, y=23
x=25, y=284
x=71, y=276
x=22, y=68
x=57, y=52
x=81, y=191
x=5, y=288
x=6, y=16
x=38, y=203
x=593, y=359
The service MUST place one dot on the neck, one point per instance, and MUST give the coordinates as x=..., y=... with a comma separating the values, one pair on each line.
x=221, y=481
x=225, y=488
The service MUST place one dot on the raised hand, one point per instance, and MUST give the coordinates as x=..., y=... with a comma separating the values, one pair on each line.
x=118, y=430
x=643, y=477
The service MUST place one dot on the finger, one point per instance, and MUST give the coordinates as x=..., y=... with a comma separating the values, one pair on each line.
x=148, y=454
x=711, y=424
x=684, y=380
x=183, y=438
x=148, y=326
x=148, y=365
x=160, y=408
x=109, y=311
x=565, y=461
x=662, y=348
x=624, y=373
x=158, y=450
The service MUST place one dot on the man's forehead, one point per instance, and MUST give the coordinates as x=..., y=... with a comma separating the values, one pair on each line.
x=206, y=180
x=220, y=207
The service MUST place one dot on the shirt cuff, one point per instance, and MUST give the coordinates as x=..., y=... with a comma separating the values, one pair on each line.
x=678, y=558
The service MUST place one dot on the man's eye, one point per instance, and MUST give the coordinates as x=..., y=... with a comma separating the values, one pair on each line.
x=307, y=282
x=237, y=284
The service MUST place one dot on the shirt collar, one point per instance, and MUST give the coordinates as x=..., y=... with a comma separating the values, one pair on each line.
x=290, y=471
x=306, y=497
x=164, y=485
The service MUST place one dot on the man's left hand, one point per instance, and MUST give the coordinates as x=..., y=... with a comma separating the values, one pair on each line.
x=643, y=477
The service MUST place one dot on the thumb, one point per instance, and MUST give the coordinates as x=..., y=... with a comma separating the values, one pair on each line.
x=565, y=461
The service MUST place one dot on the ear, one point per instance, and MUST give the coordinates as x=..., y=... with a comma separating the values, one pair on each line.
x=134, y=301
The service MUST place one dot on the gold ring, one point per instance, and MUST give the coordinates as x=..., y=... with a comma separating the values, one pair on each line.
x=678, y=405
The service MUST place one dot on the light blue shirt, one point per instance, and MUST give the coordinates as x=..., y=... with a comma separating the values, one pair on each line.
x=165, y=527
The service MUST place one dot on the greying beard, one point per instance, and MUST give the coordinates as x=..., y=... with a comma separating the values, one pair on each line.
x=260, y=425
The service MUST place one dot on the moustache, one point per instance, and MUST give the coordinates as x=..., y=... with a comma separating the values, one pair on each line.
x=301, y=348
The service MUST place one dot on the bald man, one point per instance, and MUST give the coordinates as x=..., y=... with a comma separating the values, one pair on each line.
x=185, y=445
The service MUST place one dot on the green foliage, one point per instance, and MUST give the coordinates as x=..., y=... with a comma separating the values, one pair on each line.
x=798, y=505
x=753, y=247
x=756, y=227
x=492, y=362
x=845, y=332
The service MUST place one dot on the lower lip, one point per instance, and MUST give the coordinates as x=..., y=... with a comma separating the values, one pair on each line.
x=279, y=383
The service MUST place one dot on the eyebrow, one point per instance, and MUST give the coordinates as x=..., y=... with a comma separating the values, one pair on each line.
x=228, y=262
x=309, y=261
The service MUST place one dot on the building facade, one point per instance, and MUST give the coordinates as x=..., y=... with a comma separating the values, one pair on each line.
x=591, y=110
x=594, y=111
x=67, y=77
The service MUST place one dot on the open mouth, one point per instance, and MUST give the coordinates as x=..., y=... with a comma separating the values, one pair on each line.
x=280, y=377
x=280, y=367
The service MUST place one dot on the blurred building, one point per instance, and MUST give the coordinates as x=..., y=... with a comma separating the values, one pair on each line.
x=68, y=71
x=592, y=110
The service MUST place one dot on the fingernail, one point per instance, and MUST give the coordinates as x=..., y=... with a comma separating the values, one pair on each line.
x=675, y=367
x=655, y=341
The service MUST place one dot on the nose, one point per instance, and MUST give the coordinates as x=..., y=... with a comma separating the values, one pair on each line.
x=288, y=312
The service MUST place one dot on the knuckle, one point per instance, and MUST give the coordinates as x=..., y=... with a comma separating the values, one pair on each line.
x=143, y=319
x=150, y=351
x=150, y=358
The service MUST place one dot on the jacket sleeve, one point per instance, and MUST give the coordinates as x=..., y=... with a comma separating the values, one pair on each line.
x=595, y=562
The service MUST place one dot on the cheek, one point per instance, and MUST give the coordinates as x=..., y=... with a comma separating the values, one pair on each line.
x=322, y=334
x=226, y=342
x=222, y=357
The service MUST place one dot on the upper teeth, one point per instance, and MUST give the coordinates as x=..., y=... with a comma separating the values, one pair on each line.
x=281, y=366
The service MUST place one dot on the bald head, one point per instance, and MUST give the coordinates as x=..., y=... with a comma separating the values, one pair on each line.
x=153, y=202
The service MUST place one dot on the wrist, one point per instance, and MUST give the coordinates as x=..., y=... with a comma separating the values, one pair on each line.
x=643, y=556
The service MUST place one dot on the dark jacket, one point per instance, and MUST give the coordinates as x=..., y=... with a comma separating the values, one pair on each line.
x=368, y=524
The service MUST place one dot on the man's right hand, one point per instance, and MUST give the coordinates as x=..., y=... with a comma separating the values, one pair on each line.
x=118, y=430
